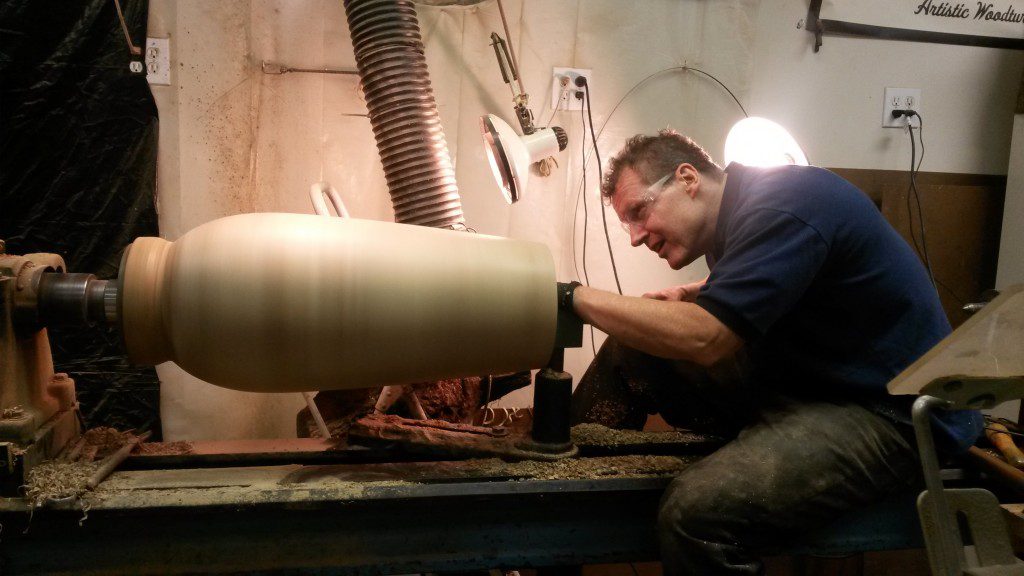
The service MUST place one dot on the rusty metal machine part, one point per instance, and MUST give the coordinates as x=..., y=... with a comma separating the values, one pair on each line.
x=46, y=295
x=37, y=407
x=393, y=68
x=76, y=298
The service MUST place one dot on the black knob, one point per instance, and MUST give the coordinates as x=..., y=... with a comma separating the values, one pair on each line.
x=563, y=139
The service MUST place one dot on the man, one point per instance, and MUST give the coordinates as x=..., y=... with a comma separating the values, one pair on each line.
x=812, y=305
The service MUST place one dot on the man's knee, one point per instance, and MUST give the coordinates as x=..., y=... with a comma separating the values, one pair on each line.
x=686, y=509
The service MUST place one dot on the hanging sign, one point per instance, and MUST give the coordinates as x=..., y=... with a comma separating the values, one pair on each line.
x=990, y=18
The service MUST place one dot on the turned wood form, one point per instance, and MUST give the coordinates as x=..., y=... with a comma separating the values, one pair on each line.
x=291, y=302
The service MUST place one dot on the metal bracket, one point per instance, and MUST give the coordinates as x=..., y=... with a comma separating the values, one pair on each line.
x=940, y=509
x=820, y=27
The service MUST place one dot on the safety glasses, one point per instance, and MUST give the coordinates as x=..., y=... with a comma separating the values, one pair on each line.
x=637, y=214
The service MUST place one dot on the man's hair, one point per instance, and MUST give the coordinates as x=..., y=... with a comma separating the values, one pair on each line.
x=652, y=157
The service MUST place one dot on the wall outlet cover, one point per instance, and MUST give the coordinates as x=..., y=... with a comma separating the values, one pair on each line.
x=562, y=77
x=158, y=61
x=899, y=99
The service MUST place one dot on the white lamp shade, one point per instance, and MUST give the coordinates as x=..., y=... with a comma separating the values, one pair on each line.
x=510, y=154
x=760, y=142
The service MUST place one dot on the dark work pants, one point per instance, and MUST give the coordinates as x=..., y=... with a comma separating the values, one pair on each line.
x=791, y=466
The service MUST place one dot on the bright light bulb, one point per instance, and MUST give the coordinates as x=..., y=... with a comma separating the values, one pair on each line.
x=760, y=142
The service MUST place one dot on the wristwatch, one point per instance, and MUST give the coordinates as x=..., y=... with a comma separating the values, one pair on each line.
x=565, y=292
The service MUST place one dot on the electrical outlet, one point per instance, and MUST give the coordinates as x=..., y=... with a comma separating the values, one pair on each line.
x=564, y=89
x=899, y=99
x=158, y=61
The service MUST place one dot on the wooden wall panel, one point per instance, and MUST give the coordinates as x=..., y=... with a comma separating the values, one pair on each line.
x=963, y=216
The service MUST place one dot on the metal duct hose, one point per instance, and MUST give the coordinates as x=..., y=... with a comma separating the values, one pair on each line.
x=390, y=56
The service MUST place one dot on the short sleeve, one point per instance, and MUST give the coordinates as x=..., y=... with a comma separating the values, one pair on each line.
x=768, y=261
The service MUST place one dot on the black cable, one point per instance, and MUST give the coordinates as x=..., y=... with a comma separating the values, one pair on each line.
x=910, y=206
x=726, y=88
x=586, y=277
x=920, y=139
x=576, y=210
x=600, y=175
x=614, y=109
x=922, y=248
x=659, y=73
x=600, y=131
x=917, y=200
x=583, y=149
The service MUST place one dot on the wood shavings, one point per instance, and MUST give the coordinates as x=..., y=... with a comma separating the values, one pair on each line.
x=103, y=441
x=68, y=481
x=598, y=435
x=581, y=468
x=59, y=480
x=178, y=448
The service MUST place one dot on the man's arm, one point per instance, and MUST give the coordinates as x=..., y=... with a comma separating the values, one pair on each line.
x=682, y=293
x=674, y=330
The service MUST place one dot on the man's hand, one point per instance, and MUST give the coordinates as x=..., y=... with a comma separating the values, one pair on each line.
x=674, y=330
x=683, y=293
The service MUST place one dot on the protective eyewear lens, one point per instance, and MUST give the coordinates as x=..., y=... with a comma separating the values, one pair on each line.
x=637, y=214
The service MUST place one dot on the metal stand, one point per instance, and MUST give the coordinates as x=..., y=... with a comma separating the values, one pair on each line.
x=947, y=513
x=552, y=389
x=37, y=407
x=552, y=396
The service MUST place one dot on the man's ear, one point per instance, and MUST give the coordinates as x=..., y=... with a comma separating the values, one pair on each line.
x=690, y=177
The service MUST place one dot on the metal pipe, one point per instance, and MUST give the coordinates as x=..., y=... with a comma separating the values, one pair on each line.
x=951, y=549
x=393, y=69
x=76, y=299
x=552, y=395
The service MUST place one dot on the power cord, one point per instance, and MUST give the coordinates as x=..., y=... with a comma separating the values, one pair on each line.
x=580, y=192
x=915, y=168
x=586, y=277
x=634, y=88
x=583, y=149
x=581, y=82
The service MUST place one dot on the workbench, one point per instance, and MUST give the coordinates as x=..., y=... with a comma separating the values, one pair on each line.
x=297, y=506
x=306, y=510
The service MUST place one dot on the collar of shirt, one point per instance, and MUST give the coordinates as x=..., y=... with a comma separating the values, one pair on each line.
x=730, y=197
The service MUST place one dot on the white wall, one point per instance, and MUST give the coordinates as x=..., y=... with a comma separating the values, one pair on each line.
x=832, y=100
x=1011, y=255
x=236, y=140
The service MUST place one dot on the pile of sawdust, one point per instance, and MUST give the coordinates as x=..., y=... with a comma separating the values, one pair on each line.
x=55, y=479
x=582, y=468
x=103, y=441
x=598, y=435
x=181, y=447
x=608, y=412
x=452, y=400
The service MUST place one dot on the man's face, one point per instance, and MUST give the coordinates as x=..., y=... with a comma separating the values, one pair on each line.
x=667, y=219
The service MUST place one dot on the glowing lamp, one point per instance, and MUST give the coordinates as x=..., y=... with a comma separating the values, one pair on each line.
x=510, y=154
x=761, y=142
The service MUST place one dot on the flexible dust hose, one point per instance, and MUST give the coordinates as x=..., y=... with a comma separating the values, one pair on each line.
x=390, y=57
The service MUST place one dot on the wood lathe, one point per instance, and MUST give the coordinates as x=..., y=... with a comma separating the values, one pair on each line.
x=288, y=302
x=273, y=302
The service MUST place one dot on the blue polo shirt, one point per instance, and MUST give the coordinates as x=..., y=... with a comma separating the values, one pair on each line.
x=831, y=301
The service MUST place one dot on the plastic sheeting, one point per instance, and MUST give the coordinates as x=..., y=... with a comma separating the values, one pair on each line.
x=247, y=141
x=78, y=149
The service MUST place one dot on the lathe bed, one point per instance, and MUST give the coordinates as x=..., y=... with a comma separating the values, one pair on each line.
x=239, y=507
